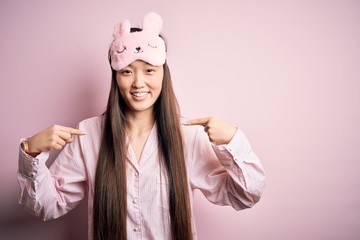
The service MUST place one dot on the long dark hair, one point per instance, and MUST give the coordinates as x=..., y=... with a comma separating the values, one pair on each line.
x=110, y=206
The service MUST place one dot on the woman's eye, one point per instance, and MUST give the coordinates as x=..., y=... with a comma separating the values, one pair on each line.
x=125, y=72
x=150, y=70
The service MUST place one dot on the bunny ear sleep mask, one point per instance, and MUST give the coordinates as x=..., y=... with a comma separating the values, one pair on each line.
x=145, y=45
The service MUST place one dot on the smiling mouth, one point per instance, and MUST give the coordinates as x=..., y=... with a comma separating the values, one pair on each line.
x=139, y=94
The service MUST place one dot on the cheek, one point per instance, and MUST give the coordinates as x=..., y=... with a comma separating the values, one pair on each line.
x=159, y=81
x=122, y=84
x=123, y=90
x=119, y=85
x=158, y=85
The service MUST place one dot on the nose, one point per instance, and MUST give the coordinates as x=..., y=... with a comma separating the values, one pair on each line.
x=138, y=49
x=139, y=81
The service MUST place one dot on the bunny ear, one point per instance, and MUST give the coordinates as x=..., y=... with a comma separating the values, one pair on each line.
x=121, y=28
x=152, y=22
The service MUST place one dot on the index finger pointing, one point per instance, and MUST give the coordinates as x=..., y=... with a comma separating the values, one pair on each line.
x=74, y=131
x=198, y=121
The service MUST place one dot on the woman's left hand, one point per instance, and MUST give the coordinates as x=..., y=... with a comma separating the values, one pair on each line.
x=218, y=130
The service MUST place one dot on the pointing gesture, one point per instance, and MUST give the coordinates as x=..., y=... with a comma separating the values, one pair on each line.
x=219, y=131
x=54, y=137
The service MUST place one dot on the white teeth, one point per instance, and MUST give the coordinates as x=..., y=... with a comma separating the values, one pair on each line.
x=139, y=94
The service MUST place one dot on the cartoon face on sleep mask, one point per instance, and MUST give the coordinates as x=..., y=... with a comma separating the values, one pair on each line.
x=145, y=45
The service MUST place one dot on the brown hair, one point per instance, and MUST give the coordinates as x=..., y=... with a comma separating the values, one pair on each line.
x=110, y=206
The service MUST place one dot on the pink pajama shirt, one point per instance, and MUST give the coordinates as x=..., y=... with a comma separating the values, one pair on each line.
x=226, y=174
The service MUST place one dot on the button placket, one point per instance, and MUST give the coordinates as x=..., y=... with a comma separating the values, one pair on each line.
x=32, y=175
x=135, y=201
x=137, y=228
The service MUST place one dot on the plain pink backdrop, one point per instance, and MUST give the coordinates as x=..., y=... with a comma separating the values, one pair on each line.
x=286, y=72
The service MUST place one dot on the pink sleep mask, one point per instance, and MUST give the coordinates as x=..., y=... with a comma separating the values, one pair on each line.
x=144, y=45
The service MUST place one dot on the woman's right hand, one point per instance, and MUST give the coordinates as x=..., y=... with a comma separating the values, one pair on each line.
x=54, y=137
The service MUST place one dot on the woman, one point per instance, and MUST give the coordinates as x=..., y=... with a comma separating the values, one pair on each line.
x=139, y=162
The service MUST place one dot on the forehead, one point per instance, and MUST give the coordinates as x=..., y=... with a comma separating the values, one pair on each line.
x=140, y=64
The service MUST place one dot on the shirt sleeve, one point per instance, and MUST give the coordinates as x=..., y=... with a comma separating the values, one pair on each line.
x=228, y=174
x=52, y=192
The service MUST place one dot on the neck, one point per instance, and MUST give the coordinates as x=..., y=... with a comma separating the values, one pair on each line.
x=139, y=122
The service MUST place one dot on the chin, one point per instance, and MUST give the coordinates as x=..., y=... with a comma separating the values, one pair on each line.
x=141, y=108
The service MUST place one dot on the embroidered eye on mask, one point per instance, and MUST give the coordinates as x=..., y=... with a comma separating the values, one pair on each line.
x=145, y=45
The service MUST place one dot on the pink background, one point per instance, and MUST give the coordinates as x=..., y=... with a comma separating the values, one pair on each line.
x=286, y=72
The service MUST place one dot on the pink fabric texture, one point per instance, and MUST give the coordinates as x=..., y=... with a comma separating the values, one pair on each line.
x=226, y=174
x=145, y=45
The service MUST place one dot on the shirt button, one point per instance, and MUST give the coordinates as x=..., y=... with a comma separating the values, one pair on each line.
x=32, y=175
x=137, y=229
x=136, y=174
x=35, y=163
x=135, y=201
